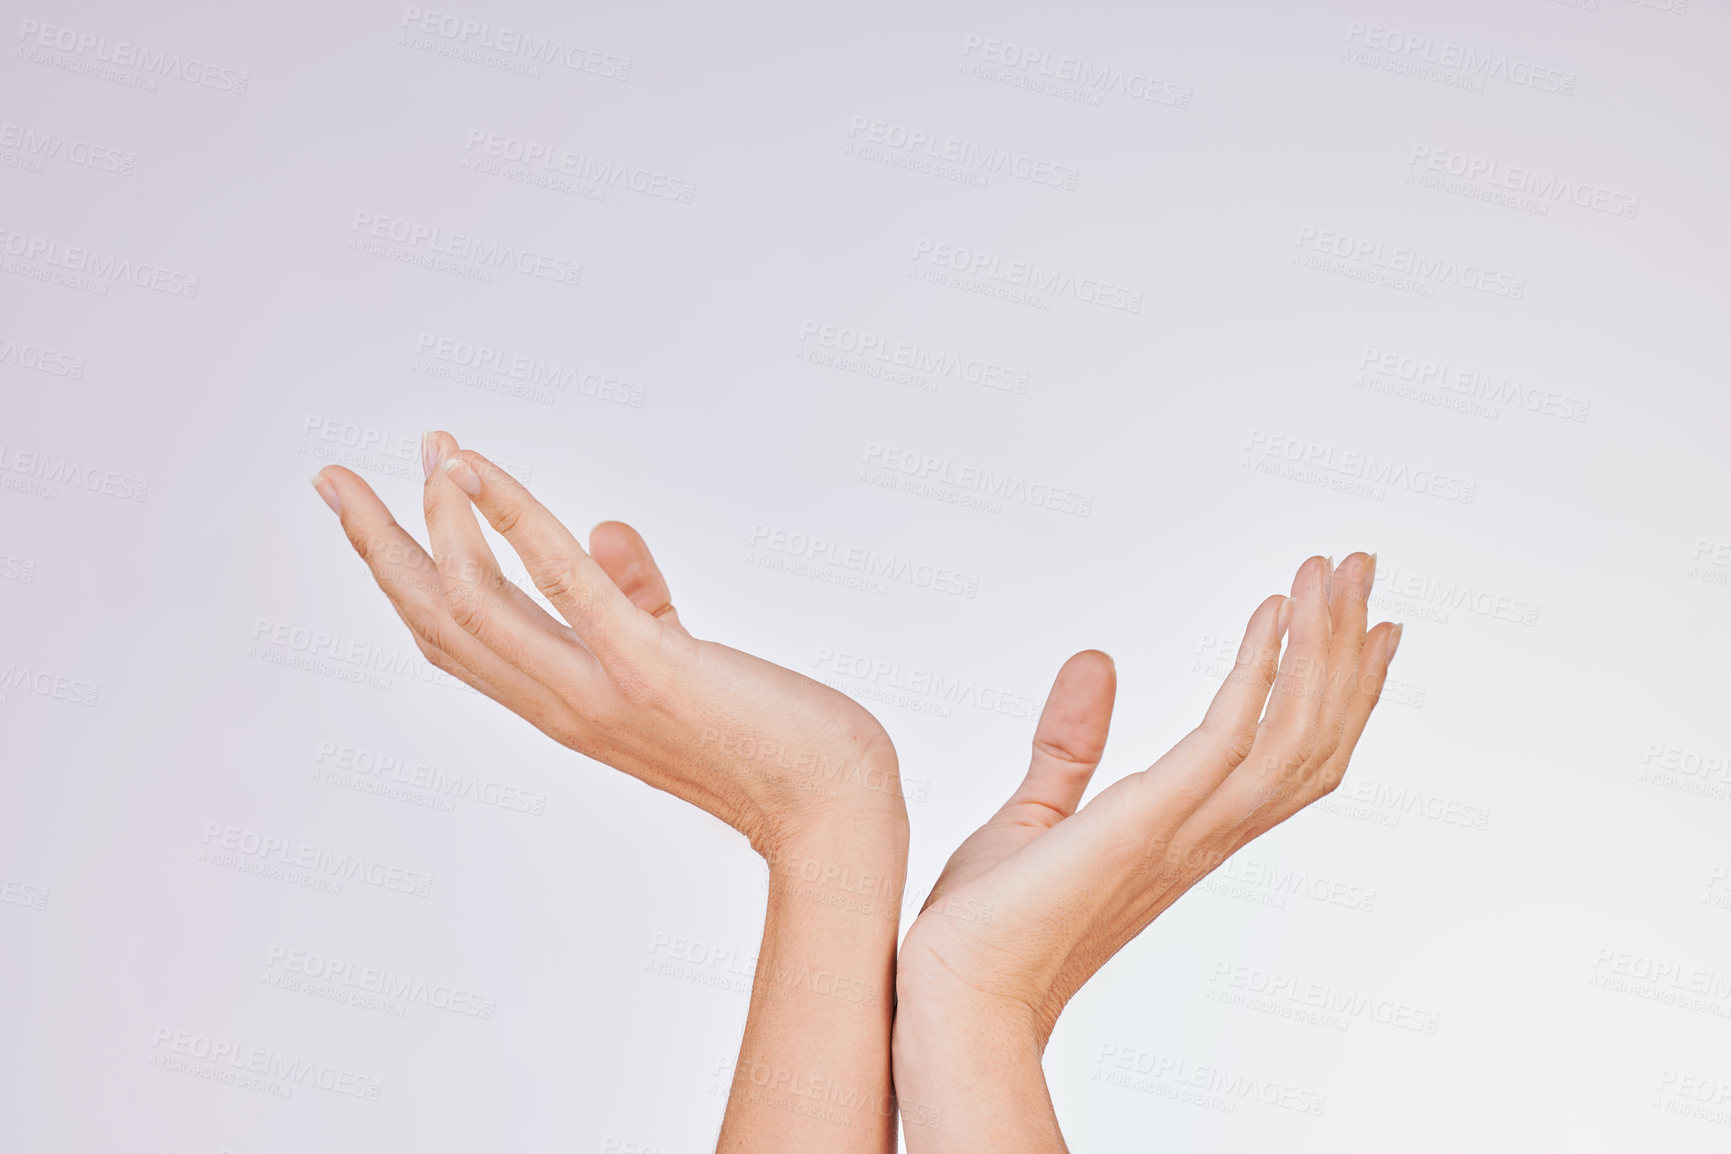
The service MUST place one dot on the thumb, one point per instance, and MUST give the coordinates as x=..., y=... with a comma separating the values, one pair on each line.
x=620, y=551
x=1068, y=741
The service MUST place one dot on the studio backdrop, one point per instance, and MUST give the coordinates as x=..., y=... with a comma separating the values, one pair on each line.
x=926, y=345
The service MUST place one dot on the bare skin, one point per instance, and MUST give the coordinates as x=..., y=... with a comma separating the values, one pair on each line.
x=1067, y=888
x=810, y=778
x=806, y=774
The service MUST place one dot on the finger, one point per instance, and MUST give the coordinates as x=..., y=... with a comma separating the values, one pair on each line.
x=1347, y=614
x=411, y=582
x=478, y=598
x=1068, y=741
x=435, y=447
x=1168, y=792
x=564, y=573
x=1295, y=700
x=622, y=554
x=1232, y=717
x=1287, y=734
x=1186, y=774
x=1366, y=690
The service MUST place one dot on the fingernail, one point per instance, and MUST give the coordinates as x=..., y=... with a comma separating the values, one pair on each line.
x=328, y=491
x=1394, y=641
x=429, y=454
x=1284, y=616
x=1372, y=572
x=1328, y=579
x=464, y=475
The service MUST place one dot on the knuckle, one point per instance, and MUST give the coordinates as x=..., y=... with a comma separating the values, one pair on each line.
x=1231, y=744
x=1067, y=753
x=1236, y=746
x=558, y=581
x=636, y=686
x=507, y=517
x=427, y=639
x=464, y=607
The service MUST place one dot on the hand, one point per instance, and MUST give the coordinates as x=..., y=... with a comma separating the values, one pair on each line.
x=1037, y=899
x=775, y=755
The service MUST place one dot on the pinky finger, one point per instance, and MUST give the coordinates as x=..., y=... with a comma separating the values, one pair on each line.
x=1379, y=646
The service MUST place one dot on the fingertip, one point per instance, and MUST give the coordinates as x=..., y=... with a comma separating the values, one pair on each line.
x=1311, y=575
x=1091, y=671
x=436, y=445
x=613, y=529
x=328, y=492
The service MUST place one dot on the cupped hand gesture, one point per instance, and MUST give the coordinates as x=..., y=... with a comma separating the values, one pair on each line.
x=772, y=753
x=1037, y=899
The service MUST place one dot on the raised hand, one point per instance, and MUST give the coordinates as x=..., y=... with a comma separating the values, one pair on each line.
x=774, y=754
x=805, y=773
x=1037, y=899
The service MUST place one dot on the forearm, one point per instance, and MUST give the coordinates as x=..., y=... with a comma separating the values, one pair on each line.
x=814, y=1066
x=970, y=1081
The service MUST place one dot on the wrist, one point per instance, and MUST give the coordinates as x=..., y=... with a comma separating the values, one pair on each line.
x=856, y=864
x=968, y=1077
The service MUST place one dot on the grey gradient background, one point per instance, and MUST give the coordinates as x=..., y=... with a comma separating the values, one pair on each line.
x=1511, y=927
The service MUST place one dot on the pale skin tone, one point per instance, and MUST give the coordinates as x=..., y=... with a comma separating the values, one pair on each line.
x=811, y=779
x=804, y=772
x=1067, y=887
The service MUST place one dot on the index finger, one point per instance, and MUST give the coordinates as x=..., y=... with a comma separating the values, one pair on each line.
x=605, y=620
